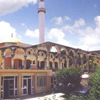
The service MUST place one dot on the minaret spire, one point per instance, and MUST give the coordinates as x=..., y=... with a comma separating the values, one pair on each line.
x=41, y=12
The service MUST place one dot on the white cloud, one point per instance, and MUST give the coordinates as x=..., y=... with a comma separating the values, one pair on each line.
x=89, y=36
x=67, y=18
x=8, y=6
x=59, y=36
x=97, y=20
x=24, y=25
x=86, y=38
x=5, y=32
x=32, y=34
x=56, y=33
x=74, y=28
x=60, y=20
x=69, y=28
x=79, y=23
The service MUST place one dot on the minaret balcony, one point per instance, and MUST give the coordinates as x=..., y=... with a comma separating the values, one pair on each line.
x=41, y=10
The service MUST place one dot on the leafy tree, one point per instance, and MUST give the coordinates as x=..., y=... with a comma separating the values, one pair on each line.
x=94, y=83
x=70, y=78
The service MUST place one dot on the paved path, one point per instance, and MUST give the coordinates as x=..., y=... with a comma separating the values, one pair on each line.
x=55, y=96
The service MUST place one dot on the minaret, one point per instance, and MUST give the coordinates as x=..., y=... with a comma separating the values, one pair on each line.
x=41, y=11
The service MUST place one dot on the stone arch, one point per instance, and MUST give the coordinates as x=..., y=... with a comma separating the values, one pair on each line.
x=28, y=64
x=7, y=52
x=19, y=57
x=41, y=64
x=51, y=56
x=35, y=50
x=7, y=58
x=90, y=63
x=41, y=59
x=84, y=59
x=42, y=47
x=65, y=51
x=41, y=54
x=78, y=59
x=18, y=63
x=20, y=51
x=71, y=51
x=53, y=49
x=64, y=61
x=29, y=51
x=71, y=57
x=58, y=48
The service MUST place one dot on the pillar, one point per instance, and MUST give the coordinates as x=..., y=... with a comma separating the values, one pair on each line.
x=12, y=63
x=19, y=85
x=25, y=62
x=53, y=64
x=48, y=80
x=35, y=83
x=3, y=61
x=36, y=62
x=47, y=66
x=0, y=87
x=67, y=62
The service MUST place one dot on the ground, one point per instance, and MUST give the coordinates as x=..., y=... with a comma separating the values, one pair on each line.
x=53, y=96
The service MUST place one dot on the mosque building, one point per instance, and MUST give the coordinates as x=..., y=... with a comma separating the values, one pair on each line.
x=27, y=69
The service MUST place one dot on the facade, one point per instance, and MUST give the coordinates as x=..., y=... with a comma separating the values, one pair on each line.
x=27, y=69
x=19, y=74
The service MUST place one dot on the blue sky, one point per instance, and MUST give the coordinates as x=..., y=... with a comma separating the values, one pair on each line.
x=74, y=23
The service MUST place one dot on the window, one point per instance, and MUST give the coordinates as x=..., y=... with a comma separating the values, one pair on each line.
x=41, y=81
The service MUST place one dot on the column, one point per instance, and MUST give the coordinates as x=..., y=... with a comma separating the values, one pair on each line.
x=35, y=83
x=12, y=63
x=74, y=64
x=36, y=62
x=12, y=56
x=59, y=64
x=87, y=63
x=0, y=87
x=48, y=80
x=59, y=61
x=3, y=60
x=81, y=62
x=53, y=64
x=25, y=62
x=47, y=66
x=39, y=64
x=67, y=62
x=19, y=85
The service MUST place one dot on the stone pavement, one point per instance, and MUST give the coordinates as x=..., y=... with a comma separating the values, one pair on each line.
x=52, y=96
x=55, y=96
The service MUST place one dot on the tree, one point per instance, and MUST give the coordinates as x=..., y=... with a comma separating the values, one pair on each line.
x=70, y=78
x=94, y=83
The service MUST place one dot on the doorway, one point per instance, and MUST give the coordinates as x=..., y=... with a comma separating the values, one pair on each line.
x=6, y=89
x=9, y=87
x=27, y=85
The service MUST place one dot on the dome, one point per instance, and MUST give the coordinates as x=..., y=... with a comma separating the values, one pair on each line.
x=13, y=39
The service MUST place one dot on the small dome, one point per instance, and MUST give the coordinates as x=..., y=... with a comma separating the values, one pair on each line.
x=13, y=39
